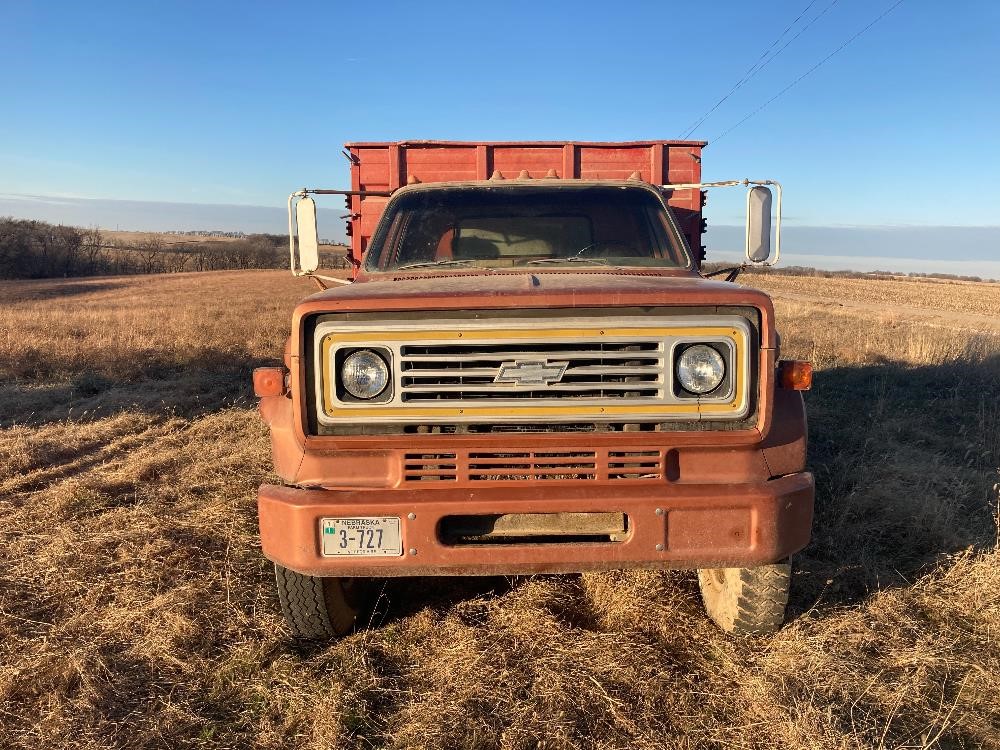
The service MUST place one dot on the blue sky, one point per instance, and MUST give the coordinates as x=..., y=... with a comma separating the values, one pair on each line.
x=238, y=103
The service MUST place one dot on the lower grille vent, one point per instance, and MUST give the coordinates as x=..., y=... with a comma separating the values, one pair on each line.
x=530, y=465
x=429, y=467
x=635, y=465
x=526, y=465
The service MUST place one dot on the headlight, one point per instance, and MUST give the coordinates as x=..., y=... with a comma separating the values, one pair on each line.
x=700, y=369
x=364, y=374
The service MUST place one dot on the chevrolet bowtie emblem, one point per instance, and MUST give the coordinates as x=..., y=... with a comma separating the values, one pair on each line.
x=531, y=372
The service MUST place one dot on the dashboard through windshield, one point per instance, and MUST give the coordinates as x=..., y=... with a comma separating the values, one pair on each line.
x=505, y=227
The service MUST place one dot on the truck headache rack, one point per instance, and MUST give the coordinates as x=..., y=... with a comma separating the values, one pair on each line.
x=378, y=169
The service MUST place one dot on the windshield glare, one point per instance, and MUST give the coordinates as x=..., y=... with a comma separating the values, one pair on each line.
x=505, y=227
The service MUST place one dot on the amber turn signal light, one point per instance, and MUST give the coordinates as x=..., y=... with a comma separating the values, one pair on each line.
x=795, y=375
x=269, y=381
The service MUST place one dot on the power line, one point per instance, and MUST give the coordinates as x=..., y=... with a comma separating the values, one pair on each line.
x=763, y=61
x=782, y=34
x=751, y=71
x=884, y=13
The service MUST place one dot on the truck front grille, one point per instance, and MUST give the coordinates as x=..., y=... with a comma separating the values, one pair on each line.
x=575, y=371
x=533, y=371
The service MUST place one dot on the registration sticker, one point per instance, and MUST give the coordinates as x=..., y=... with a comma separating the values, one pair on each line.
x=364, y=537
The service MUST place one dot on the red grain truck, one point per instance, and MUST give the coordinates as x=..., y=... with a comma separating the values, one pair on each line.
x=528, y=373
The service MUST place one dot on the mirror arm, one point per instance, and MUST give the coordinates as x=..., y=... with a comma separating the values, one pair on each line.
x=335, y=280
x=376, y=193
x=746, y=183
x=321, y=280
x=731, y=273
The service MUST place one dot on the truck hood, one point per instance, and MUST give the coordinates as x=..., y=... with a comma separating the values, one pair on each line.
x=590, y=288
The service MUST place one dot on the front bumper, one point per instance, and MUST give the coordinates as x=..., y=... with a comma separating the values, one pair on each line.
x=670, y=526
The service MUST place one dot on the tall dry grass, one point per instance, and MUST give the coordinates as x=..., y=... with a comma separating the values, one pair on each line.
x=137, y=612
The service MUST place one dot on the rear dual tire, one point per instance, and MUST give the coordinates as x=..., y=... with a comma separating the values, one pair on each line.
x=746, y=601
x=319, y=609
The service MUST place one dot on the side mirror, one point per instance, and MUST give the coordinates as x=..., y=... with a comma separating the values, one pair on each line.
x=305, y=220
x=758, y=224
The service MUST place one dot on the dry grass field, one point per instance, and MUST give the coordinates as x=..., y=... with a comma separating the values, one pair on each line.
x=137, y=612
x=953, y=304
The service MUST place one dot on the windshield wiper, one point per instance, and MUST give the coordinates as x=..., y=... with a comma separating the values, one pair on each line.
x=570, y=259
x=431, y=263
x=574, y=258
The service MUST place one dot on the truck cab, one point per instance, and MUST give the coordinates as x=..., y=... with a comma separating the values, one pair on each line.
x=530, y=374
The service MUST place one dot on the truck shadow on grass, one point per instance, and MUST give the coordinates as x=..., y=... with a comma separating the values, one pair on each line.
x=468, y=598
x=394, y=599
x=155, y=386
x=905, y=459
x=35, y=290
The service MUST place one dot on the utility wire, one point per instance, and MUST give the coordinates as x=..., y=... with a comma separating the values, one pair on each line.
x=750, y=71
x=782, y=35
x=884, y=13
x=763, y=61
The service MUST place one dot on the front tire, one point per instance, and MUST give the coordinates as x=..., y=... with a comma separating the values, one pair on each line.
x=318, y=609
x=746, y=601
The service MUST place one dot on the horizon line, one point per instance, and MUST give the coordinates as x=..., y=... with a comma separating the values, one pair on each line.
x=55, y=199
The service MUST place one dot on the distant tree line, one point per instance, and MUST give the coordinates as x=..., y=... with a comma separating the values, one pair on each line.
x=36, y=249
x=821, y=273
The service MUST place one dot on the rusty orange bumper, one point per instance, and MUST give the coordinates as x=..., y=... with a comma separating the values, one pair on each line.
x=670, y=526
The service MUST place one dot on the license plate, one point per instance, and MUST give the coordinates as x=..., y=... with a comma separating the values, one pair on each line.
x=365, y=537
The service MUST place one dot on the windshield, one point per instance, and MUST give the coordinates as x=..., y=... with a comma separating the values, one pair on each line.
x=504, y=227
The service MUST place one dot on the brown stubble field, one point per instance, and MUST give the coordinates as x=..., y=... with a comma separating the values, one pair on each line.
x=137, y=612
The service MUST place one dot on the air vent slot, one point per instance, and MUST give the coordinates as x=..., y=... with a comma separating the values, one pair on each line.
x=472, y=466
x=531, y=466
x=635, y=465
x=430, y=467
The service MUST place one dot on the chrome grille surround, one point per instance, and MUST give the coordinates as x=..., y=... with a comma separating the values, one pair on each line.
x=587, y=368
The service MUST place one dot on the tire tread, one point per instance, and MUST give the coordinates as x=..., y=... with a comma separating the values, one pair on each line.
x=305, y=604
x=750, y=603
